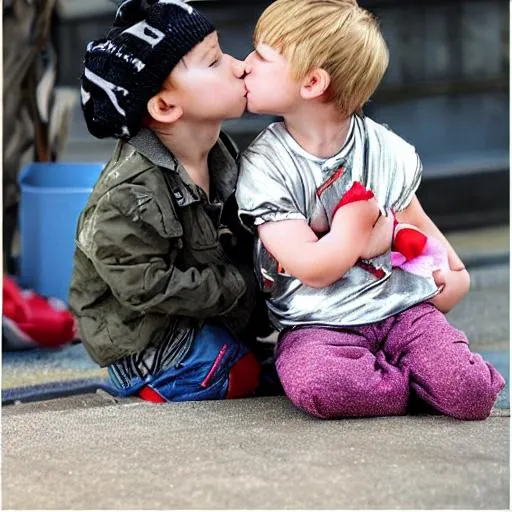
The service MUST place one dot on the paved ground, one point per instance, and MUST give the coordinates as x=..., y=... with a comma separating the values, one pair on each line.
x=90, y=453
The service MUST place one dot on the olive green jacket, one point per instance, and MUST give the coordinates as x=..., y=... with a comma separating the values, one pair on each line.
x=153, y=255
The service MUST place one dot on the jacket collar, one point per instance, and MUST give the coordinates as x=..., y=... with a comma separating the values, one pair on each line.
x=222, y=165
x=149, y=145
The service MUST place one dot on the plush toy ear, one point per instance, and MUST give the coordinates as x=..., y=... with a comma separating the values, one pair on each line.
x=356, y=193
x=409, y=242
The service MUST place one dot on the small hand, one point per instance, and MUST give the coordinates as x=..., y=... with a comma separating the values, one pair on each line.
x=380, y=239
x=454, y=284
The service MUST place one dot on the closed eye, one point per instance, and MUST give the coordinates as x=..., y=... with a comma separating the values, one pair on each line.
x=260, y=56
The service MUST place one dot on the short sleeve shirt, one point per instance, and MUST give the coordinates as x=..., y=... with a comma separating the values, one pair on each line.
x=279, y=180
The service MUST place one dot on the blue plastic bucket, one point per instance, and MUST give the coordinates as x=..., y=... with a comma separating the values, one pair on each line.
x=52, y=197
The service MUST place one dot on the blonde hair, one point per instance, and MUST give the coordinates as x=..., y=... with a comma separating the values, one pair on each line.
x=335, y=35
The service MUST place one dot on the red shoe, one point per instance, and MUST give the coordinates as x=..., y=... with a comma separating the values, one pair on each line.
x=44, y=322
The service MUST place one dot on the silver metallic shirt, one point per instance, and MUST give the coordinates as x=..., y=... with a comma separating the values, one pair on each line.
x=279, y=180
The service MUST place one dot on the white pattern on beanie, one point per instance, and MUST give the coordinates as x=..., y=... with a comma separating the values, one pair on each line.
x=109, y=89
x=143, y=30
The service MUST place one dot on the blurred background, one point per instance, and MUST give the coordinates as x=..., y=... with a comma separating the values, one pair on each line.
x=446, y=92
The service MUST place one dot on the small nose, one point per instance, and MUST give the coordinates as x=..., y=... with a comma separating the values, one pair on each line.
x=238, y=68
x=247, y=62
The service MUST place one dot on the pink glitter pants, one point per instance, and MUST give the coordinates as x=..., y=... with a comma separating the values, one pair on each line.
x=372, y=370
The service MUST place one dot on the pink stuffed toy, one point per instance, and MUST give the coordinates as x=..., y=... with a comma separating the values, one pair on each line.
x=416, y=253
x=411, y=250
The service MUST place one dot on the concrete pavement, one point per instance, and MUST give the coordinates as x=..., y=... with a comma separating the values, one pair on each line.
x=91, y=453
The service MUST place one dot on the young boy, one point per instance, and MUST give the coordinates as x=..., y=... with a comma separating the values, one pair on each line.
x=358, y=337
x=163, y=286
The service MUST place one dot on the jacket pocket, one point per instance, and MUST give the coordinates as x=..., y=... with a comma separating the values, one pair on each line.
x=125, y=334
x=201, y=237
x=199, y=229
x=97, y=341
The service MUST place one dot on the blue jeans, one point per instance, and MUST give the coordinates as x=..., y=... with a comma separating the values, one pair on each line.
x=204, y=372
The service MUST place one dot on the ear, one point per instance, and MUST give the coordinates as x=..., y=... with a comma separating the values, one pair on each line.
x=162, y=108
x=315, y=84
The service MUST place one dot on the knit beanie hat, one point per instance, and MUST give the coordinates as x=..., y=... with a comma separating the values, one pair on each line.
x=128, y=67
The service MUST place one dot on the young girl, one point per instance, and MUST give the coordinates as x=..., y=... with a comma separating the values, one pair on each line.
x=358, y=336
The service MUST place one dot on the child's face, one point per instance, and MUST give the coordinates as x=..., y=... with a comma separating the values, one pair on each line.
x=271, y=88
x=208, y=83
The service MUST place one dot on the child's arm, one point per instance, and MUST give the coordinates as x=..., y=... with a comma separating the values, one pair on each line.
x=454, y=286
x=135, y=249
x=455, y=282
x=415, y=215
x=319, y=263
x=382, y=232
x=380, y=239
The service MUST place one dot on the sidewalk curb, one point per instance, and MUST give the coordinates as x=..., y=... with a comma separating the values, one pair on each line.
x=500, y=413
x=53, y=390
x=479, y=260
